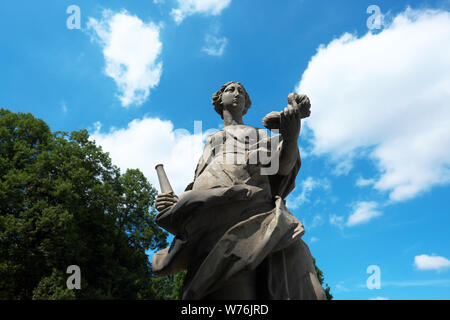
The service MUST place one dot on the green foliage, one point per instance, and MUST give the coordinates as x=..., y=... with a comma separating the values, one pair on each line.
x=169, y=287
x=321, y=279
x=53, y=287
x=63, y=202
x=177, y=285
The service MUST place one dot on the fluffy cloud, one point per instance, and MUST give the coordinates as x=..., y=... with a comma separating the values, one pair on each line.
x=190, y=7
x=307, y=186
x=363, y=212
x=214, y=43
x=317, y=221
x=425, y=262
x=361, y=182
x=337, y=221
x=385, y=96
x=149, y=141
x=131, y=49
x=215, y=46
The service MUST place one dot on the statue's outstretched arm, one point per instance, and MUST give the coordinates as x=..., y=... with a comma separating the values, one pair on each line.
x=288, y=122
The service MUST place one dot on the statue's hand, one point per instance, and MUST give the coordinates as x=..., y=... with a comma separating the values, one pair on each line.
x=290, y=122
x=165, y=200
x=300, y=102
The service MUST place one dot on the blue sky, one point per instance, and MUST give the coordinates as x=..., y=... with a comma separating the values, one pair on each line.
x=374, y=184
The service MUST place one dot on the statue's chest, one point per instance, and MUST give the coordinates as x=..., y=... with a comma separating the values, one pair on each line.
x=238, y=139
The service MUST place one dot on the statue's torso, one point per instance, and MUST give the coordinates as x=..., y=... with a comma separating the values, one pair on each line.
x=228, y=159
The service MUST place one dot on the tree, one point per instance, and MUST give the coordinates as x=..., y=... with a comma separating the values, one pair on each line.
x=176, y=285
x=63, y=202
x=321, y=279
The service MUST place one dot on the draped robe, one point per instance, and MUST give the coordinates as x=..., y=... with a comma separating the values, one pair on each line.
x=232, y=218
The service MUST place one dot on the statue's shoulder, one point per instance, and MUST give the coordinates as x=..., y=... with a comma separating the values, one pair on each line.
x=214, y=138
x=262, y=132
x=215, y=134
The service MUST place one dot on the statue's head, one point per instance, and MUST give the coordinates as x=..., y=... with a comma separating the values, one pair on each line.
x=217, y=98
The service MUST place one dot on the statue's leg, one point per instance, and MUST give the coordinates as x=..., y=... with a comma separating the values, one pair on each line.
x=241, y=286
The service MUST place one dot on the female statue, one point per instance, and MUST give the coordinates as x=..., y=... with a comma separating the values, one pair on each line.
x=233, y=233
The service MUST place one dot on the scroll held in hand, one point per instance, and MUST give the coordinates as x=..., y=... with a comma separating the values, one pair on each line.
x=163, y=180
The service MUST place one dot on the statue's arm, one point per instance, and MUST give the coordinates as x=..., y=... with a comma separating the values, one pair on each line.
x=289, y=155
x=290, y=130
x=288, y=122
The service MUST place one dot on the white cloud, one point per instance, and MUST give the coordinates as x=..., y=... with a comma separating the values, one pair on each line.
x=147, y=142
x=361, y=182
x=379, y=298
x=190, y=7
x=337, y=221
x=64, y=107
x=214, y=43
x=307, y=186
x=131, y=49
x=215, y=46
x=426, y=262
x=363, y=212
x=387, y=95
x=340, y=287
x=313, y=239
x=317, y=221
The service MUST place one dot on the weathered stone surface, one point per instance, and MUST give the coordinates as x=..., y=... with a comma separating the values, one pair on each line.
x=233, y=232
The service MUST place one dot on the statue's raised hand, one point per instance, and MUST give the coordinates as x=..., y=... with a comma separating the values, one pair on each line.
x=298, y=106
x=165, y=200
x=300, y=102
x=290, y=123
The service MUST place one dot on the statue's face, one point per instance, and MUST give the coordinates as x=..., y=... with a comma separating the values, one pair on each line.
x=233, y=98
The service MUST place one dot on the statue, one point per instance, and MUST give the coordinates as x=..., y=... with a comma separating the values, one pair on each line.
x=233, y=233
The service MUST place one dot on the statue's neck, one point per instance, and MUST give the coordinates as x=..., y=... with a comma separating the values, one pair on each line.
x=230, y=119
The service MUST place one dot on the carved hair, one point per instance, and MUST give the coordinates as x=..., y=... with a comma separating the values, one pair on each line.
x=217, y=99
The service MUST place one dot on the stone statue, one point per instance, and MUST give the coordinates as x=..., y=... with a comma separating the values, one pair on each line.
x=233, y=233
